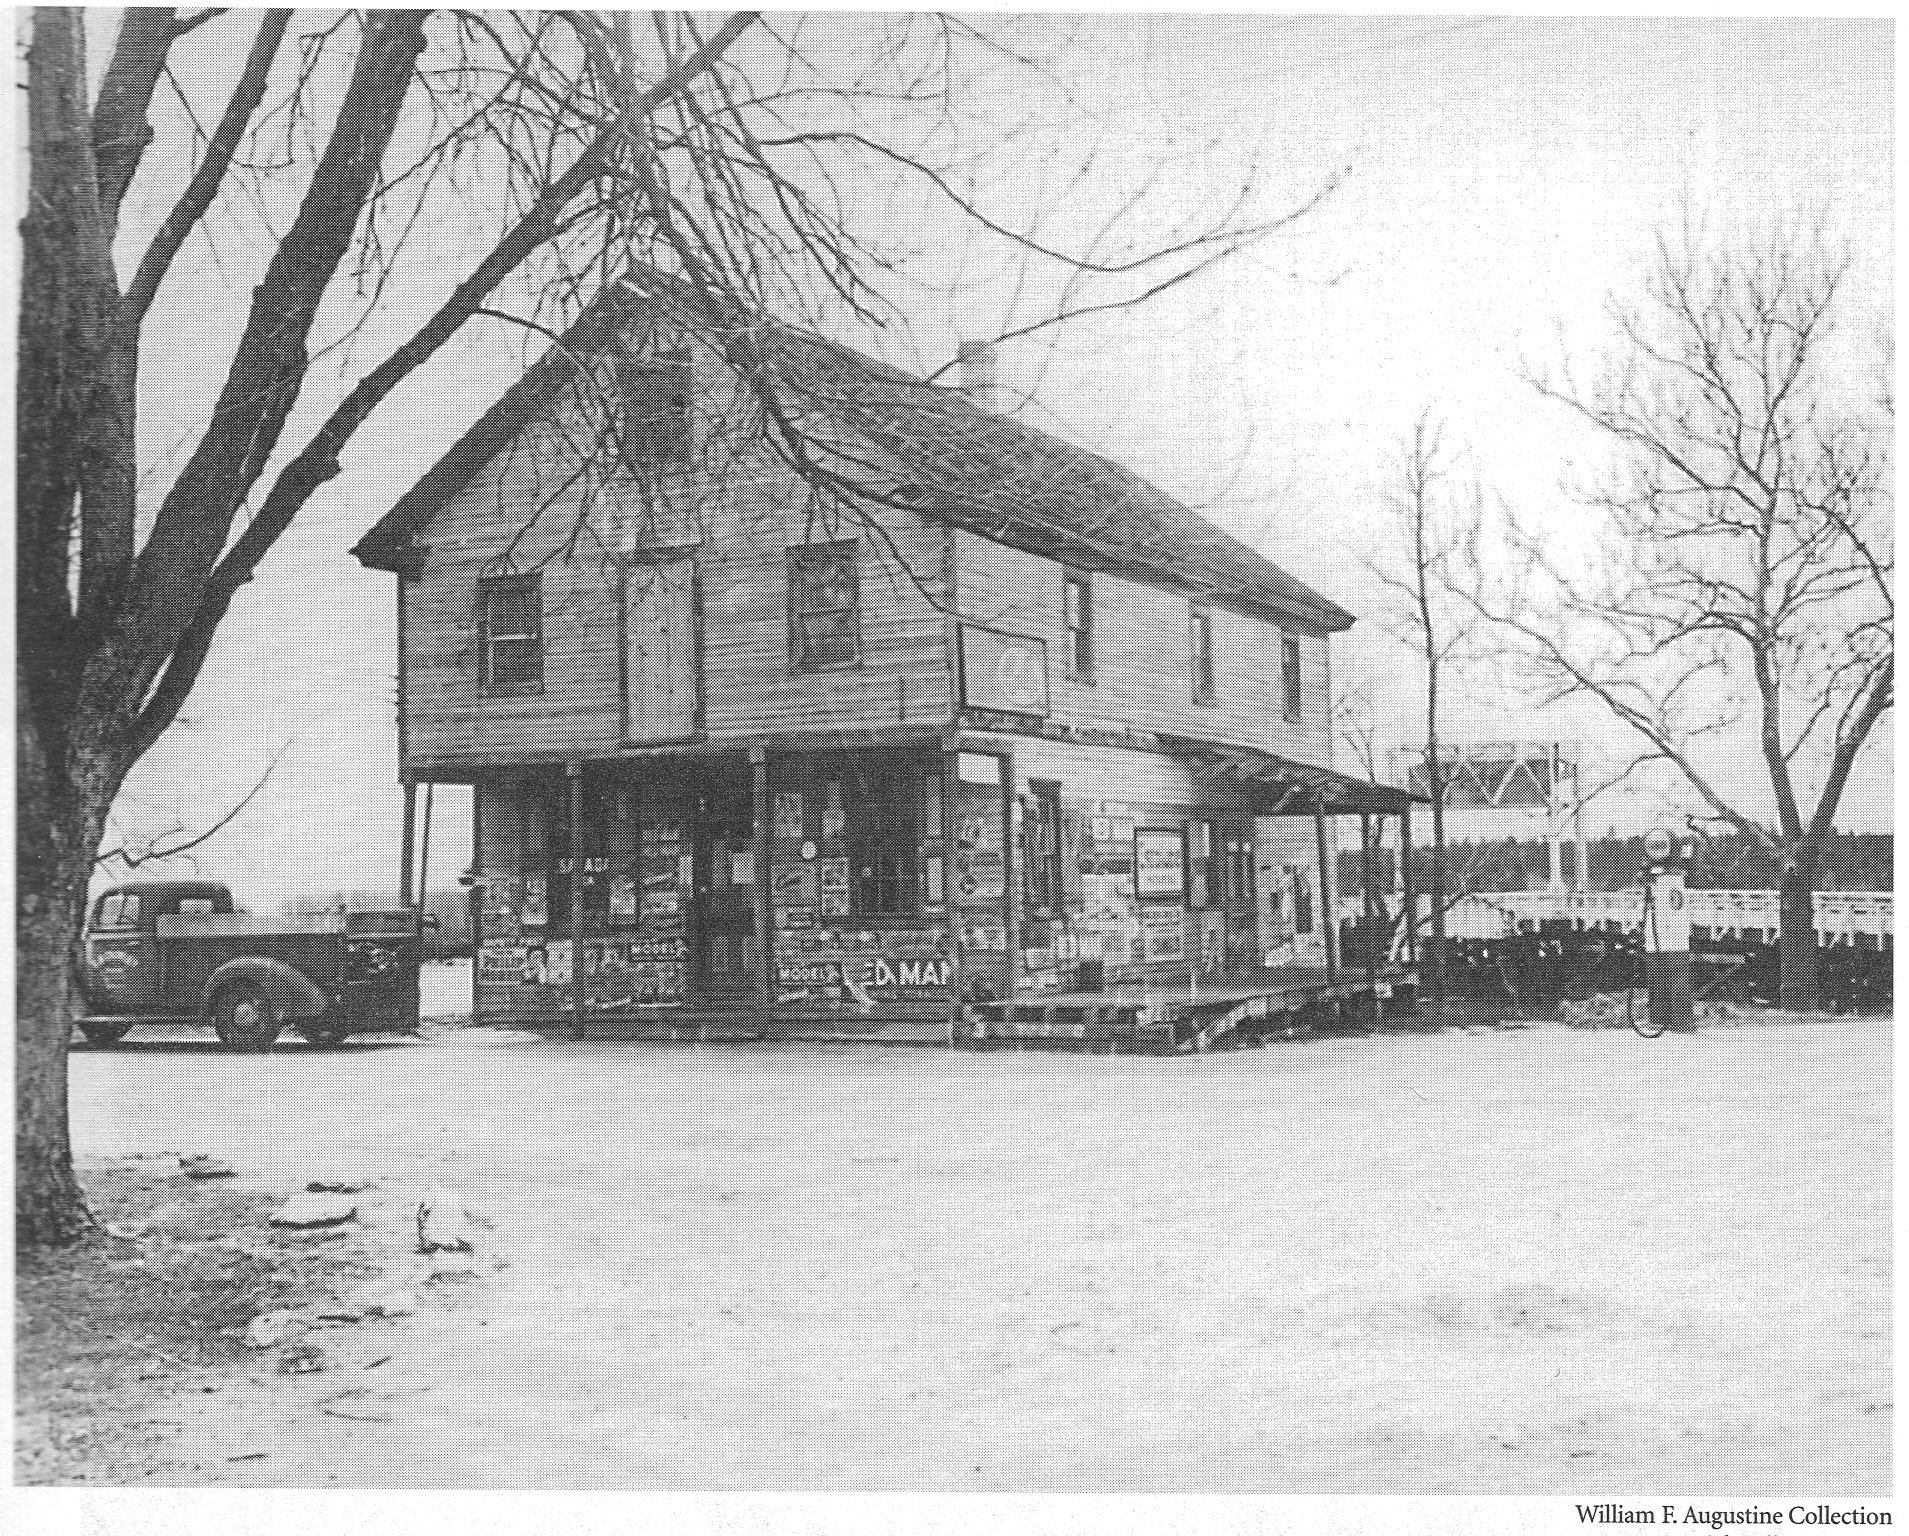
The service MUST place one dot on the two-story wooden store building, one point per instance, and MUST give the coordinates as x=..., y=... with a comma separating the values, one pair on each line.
x=1029, y=733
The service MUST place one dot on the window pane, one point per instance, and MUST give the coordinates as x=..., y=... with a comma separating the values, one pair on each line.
x=513, y=663
x=825, y=583
x=510, y=612
x=828, y=639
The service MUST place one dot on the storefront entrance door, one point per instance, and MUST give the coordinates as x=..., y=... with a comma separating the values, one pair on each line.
x=728, y=960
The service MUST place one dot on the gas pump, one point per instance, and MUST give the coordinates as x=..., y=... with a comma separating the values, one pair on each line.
x=1666, y=935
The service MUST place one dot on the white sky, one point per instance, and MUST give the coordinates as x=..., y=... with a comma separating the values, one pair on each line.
x=1505, y=174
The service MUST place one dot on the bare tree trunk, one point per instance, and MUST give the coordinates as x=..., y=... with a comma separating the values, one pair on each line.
x=56, y=833
x=1796, y=942
x=1435, y=782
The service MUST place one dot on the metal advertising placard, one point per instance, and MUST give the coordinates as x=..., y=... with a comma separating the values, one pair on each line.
x=1003, y=671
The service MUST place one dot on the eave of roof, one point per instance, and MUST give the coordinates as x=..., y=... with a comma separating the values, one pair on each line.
x=988, y=474
x=1281, y=786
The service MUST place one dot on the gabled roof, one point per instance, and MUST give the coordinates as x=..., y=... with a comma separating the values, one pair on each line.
x=960, y=465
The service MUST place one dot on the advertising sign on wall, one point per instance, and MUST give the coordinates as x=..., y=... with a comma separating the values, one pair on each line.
x=1003, y=671
x=1159, y=864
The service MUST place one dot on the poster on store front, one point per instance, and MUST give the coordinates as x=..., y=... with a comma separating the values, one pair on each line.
x=788, y=817
x=623, y=907
x=535, y=912
x=1163, y=933
x=1159, y=855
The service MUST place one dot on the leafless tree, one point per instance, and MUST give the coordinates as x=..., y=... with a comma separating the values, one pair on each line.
x=512, y=167
x=1744, y=571
x=1424, y=568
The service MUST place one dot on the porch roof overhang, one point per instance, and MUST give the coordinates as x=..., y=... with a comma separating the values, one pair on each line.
x=1278, y=786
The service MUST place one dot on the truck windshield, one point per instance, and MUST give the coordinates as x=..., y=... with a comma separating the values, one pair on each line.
x=119, y=910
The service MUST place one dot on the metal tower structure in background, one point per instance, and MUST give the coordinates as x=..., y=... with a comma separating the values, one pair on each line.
x=1490, y=782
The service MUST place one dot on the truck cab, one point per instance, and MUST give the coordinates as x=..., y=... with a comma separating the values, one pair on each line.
x=178, y=952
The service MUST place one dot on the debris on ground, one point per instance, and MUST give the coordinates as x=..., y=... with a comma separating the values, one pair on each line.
x=338, y=1185
x=301, y=1360
x=202, y=1167
x=270, y=1329
x=309, y=1210
x=397, y=1302
x=444, y=1225
x=1608, y=1010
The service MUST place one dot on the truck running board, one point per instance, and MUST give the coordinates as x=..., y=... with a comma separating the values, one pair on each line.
x=139, y=1018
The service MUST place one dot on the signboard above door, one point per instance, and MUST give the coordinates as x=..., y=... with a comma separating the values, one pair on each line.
x=1003, y=671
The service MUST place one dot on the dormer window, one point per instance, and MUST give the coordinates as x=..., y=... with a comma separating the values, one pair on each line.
x=654, y=391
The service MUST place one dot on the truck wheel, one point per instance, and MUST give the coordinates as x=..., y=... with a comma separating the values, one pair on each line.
x=325, y=1035
x=245, y=1019
x=103, y=1035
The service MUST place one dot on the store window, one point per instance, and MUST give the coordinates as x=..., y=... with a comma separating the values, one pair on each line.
x=882, y=812
x=510, y=644
x=1041, y=882
x=824, y=598
x=1238, y=872
x=1201, y=864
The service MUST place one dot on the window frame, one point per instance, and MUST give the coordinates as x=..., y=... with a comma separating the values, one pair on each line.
x=883, y=808
x=848, y=551
x=530, y=582
x=1200, y=651
x=1291, y=680
x=653, y=448
x=1077, y=600
x=1043, y=865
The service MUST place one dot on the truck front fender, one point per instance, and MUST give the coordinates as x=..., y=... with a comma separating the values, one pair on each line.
x=291, y=991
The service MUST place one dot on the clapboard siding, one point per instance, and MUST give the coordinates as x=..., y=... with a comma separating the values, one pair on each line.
x=1143, y=676
x=745, y=526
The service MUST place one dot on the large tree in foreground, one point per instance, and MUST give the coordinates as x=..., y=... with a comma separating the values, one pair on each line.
x=456, y=168
x=1743, y=585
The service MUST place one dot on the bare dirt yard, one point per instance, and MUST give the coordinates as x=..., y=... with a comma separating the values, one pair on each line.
x=1518, y=1260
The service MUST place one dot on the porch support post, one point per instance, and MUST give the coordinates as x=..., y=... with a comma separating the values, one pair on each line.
x=1328, y=907
x=1405, y=877
x=574, y=772
x=1010, y=878
x=408, y=851
x=759, y=893
x=1368, y=891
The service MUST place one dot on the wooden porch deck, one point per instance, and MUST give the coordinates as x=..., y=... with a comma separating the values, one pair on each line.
x=1154, y=1019
x=1186, y=1016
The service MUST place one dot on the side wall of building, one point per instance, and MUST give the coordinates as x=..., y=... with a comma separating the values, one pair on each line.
x=1142, y=658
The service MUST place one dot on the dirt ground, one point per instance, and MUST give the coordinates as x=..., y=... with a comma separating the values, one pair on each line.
x=1540, y=1260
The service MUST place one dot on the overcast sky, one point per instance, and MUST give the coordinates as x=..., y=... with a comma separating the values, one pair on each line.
x=1504, y=176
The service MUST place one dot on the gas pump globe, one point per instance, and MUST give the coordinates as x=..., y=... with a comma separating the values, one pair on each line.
x=1666, y=934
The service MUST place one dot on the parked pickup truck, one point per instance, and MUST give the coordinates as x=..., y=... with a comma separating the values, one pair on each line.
x=174, y=952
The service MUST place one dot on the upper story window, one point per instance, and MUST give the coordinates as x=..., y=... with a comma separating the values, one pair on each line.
x=824, y=596
x=1077, y=608
x=654, y=391
x=1289, y=676
x=510, y=639
x=1200, y=640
